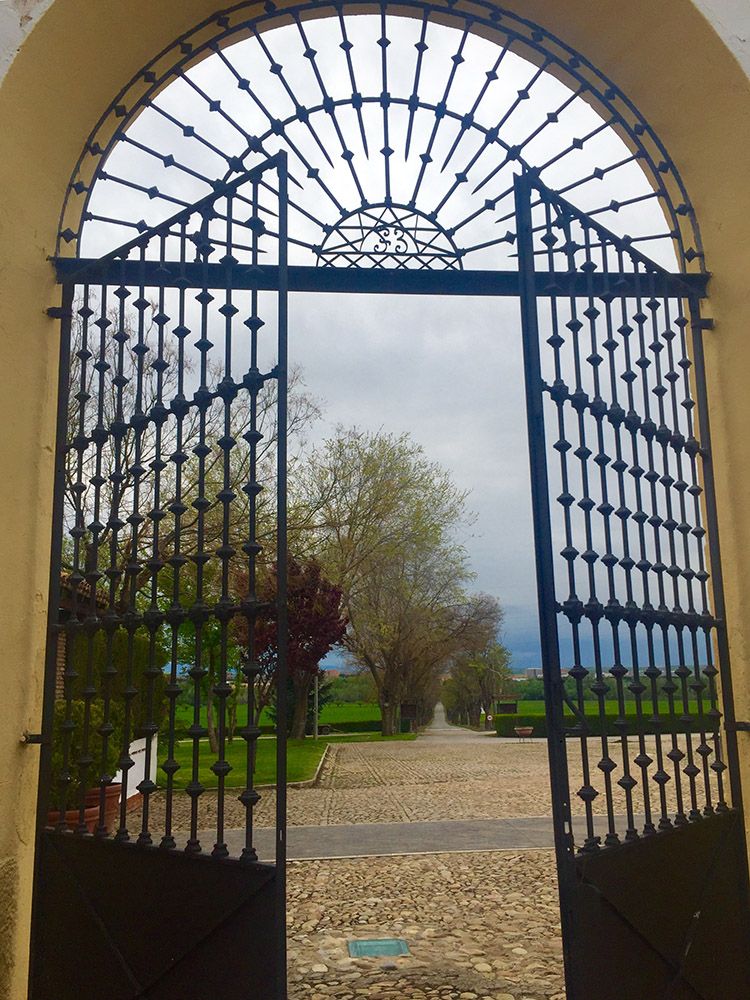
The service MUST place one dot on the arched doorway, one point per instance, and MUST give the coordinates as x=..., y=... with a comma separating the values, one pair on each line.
x=471, y=98
x=388, y=233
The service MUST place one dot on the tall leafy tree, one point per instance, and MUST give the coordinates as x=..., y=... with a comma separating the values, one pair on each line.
x=317, y=622
x=384, y=524
x=475, y=681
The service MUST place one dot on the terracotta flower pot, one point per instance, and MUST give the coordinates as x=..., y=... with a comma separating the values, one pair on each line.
x=91, y=811
x=523, y=732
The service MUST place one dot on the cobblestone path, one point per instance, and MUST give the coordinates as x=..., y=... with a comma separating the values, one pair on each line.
x=477, y=777
x=478, y=926
x=470, y=776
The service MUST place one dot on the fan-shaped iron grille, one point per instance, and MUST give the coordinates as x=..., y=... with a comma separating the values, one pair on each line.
x=403, y=133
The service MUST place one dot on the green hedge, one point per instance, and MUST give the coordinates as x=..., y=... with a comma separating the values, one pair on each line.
x=338, y=727
x=354, y=726
x=505, y=724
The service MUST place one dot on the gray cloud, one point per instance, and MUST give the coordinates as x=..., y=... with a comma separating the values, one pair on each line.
x=449, y=371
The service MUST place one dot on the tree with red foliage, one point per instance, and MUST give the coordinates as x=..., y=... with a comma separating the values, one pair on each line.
x=317, y=623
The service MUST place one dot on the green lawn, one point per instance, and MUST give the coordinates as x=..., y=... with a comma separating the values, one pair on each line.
x=303, y=757
x=334, y=714
x=342, y=711
x=610, y=707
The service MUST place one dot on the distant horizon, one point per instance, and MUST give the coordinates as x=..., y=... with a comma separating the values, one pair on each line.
x=336, y=660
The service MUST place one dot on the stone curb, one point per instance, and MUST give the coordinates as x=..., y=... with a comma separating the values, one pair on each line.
x=422, y=854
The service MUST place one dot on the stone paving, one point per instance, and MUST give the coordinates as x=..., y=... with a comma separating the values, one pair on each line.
x=471, y=777
x=397, y=782
x=479, y=927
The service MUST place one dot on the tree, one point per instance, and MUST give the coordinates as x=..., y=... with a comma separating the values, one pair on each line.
x=116, y=382
x=495, y=676
x=384, y=524
x=351, y=688
x=461, y=695
x=476, y=680
x=325, y=697
x=531, y=689
x=316, y=623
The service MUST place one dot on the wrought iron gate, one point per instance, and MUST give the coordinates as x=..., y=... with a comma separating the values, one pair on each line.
x=172, y=350
x=173, y=366
x=651, y=849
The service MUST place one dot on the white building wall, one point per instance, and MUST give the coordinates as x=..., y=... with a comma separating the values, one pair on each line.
x=731, y=20
x=17, y=18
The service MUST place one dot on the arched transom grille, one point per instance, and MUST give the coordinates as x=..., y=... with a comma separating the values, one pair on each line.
x=403, y=133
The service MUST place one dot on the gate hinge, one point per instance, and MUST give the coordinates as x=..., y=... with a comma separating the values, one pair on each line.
x=705, y=323
x=30, y=738
x=57, y=312
x=737, y=727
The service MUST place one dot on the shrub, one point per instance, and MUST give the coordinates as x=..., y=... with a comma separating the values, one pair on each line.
x=505, y=724
x=75, y=746
x=78, y=658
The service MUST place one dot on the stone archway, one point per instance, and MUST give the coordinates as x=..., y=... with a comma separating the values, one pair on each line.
x=668, y=59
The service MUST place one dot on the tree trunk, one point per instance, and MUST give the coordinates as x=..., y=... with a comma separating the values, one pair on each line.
x=301, y=690
x=232, y=708
x=389, y=713
x=232, y=719
x=213, y=740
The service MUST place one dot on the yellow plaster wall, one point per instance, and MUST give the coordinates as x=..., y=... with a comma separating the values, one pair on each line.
x=664, y=55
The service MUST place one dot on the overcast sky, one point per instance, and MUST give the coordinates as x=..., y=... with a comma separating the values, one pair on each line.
x=449, y=371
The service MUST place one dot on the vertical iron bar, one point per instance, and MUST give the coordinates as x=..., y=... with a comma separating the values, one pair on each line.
x=222, y=688
x=281, y=573
x=176, y=613
x=251, y=670
x=553, y=683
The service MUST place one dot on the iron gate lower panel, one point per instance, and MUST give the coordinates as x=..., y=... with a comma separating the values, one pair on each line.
x=691, y=942
x=146, y=924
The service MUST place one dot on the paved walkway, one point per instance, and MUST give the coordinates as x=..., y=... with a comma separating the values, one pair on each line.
x=441, y=729
x=362, y=839
x=388, y=839
x=478, y=925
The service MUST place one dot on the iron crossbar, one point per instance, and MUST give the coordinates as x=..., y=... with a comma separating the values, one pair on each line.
x=265, y=277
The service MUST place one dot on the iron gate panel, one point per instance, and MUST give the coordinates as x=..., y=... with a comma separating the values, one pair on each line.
x=172, y=419
x=651, y=860
x=664, y=916
x=120, y=922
